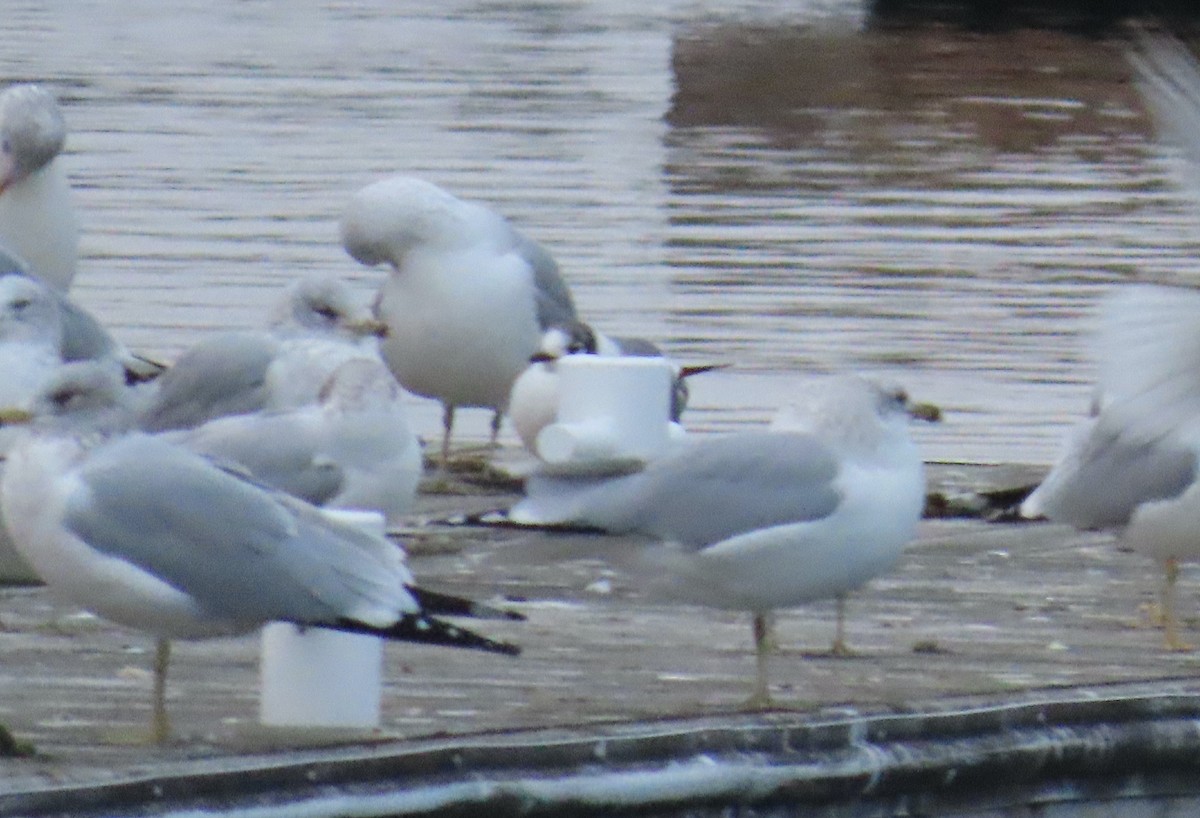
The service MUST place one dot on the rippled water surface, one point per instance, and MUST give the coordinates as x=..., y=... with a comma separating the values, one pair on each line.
x=782, y=186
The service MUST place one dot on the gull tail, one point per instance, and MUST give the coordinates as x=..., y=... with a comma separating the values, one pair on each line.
x=446, y=605
x=597, y=503
x=140, y=369
x=680, y=393
x=429, y=631
x=555, y=500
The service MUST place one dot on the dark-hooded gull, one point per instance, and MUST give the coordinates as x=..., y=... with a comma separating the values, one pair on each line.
x=534, y=399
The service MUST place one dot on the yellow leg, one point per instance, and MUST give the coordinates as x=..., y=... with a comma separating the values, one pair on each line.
x=839, y=646
x=763, y=639
x=1170, y=616
x=161, y=727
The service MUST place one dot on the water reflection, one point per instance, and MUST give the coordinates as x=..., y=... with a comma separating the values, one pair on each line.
x=774, y=184
x=940, y=205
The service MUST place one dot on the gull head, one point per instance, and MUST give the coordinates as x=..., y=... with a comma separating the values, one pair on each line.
x=851, y=412
x=323, y=305
x=86, y=397
x=32, y=132
x=388, y=219
x=29, y=312
x=571, y=338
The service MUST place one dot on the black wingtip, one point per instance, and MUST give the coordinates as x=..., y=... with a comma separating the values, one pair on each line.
x=430, y=631
x=440, y=604
x=144, y=371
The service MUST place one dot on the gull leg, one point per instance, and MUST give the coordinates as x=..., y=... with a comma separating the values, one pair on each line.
x=1170, y=617
x=763, y=639
x=839, y=646
x=447, y=426
x=162, y=658
x=497, y=419
x=770, y=639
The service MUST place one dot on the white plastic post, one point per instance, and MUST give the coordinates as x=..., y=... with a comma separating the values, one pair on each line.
x=609, y=408
x=316, y=677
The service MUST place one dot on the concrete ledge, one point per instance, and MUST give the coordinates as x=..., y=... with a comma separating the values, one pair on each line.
x=1138, y=743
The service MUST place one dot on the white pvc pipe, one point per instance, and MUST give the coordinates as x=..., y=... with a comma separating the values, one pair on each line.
x=610, y=408
x=316, y=677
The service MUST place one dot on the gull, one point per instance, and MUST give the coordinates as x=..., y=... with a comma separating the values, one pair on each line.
x=1167, y=76
x=313, y=328
x=31, y=328
x=1131, y=467
x=37, y=219
x=533, y=401
x=762, y=520
x=466, y=300
x=38, y=314
x=40, y=329
x=352, y=449
x=152, y=536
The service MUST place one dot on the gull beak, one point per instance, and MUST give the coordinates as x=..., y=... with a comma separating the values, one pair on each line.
x=689, y=371
x=925, y=411
x=542, y=358
x=8, y=173
x=12, y=416
x=368, y=326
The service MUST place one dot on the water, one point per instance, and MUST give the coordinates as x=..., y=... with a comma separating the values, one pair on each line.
x=778, y=185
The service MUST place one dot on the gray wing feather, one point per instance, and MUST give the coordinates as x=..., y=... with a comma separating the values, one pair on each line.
x=638, y=347
x=554, y=303
x=275, y=449
x=1105, y=476
x=711, y=490
x=225, y=375
x=242, y=552
x=83, y=339
x=1167, y=74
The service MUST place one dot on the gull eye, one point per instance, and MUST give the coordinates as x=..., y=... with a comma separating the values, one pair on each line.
x=63, y=398
x=327, y=312
x=20, y=304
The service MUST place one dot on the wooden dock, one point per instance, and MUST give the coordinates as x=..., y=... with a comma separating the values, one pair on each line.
x=981, y=612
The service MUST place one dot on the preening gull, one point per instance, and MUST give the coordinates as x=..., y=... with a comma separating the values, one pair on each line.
x=315, y=326
x=758, y=521
x=1132, y=468
x=533, y=402
x=352, y=449
x=467, y=297
x=158, y=538
x=37, y=219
